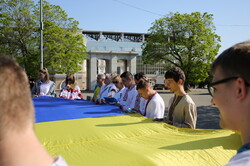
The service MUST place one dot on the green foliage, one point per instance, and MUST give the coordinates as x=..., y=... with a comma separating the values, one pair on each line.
x=187, y=41
x=64, y=50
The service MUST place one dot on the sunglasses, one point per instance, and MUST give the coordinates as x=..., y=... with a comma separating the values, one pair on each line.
x=115, y=82
x=69, y=79
x=211, y=89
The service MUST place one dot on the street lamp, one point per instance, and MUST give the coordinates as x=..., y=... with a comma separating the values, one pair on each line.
x=41, y=34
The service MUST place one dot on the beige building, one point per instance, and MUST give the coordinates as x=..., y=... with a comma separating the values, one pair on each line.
x=111, y=52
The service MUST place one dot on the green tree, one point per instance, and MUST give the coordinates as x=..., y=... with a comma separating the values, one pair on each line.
x=64, y=49
x=187, y=41
x=18, y=30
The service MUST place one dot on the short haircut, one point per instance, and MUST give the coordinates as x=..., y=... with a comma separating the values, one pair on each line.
x=176, y=73
x=108, y=76
x=234, y=61
x=71, y=78
x=139, y=75
x=45, y=71
x=17, y=111
x=143, y=84
x=102, y=76
x=127, y=74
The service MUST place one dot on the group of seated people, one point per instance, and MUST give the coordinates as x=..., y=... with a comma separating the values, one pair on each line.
x=135, y=94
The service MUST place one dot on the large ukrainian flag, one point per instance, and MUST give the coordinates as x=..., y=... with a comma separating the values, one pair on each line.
x=88, y=134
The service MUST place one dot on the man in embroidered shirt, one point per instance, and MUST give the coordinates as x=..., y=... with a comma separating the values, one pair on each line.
x=181, y=109
x=18, y=142
x=128, y=98
x=230, y=91
x=155, y=105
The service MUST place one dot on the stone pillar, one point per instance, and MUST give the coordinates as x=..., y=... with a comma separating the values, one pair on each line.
x=113, y=64
x=132, y=64
x=107, y=66
x=92, y=70
x=122, y=37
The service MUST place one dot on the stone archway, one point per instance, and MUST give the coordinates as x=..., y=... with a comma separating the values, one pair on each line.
x=113, y=61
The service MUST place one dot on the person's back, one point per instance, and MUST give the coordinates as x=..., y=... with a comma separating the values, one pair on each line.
x=19, y=145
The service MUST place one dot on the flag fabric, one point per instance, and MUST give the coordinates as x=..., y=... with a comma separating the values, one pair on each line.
x=125, y=139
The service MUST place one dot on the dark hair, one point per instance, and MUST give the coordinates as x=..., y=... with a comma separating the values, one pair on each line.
x=143, y=84
x=127, y=74
x=71, y=78
x=138, y=76
x=234, y=61
x=176, y=73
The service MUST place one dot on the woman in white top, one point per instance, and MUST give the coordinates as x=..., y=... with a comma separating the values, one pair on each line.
x=71, y=90
x=44, y=87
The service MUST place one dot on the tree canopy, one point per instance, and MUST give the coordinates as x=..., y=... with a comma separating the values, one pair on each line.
x=64, y=49
x=187, y=41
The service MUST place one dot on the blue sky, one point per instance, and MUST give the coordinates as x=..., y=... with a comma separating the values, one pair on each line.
x=231, y=17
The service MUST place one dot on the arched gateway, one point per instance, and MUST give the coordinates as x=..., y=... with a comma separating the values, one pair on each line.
x=111, y=52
